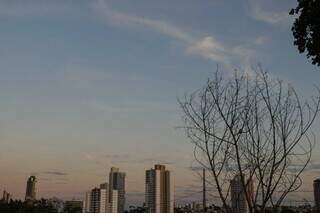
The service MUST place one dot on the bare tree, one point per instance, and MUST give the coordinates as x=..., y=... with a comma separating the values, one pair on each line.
x=253, y=127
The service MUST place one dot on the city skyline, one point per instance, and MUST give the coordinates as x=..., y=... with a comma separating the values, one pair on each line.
x=159, y=196
x=88, y=85
x=159, y=188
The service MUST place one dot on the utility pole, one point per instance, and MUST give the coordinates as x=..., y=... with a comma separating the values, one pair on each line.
x=204, y=206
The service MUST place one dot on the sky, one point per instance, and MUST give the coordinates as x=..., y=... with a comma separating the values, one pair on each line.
x=90, y=84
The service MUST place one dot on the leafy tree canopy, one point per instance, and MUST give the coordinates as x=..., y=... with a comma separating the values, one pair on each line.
x=306, y=29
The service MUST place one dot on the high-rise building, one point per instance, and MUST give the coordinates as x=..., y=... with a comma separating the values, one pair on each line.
x=117, y=186
x=104, y=197
x=31, y=188
x=97, y=200
x=87, y=202
x=113, y=205
x=108, y=198
x=316, y=190
x=159, y=196
x=239, y=203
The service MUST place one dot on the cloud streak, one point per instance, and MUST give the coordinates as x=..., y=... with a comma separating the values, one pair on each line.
x=207, y=46
x=119, y=18
x=257, y=12
x=57, y=173
x=128, y=159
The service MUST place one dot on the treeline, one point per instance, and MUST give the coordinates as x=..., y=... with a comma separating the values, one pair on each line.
x=39, y=206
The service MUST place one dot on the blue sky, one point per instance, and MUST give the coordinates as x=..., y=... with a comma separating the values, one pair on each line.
x=90, y=84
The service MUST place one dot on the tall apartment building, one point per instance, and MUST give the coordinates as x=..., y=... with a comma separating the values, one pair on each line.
x=87, y=202
x=96, y=200
x=117, y=190
x=113, y=204
x=316, y=190
x=159, y=196
x=239, y=203
x=31, y=189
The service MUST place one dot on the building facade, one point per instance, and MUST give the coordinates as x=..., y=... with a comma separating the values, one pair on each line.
x=108, y=198
x=31, y=188
x=239, y=203
x=96, y=201
x=113, y=205
x=117, y=187
x=159, y=194
x=87, y=202
x=316, y=190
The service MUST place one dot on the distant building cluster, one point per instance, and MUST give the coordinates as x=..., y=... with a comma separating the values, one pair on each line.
x=110, y=196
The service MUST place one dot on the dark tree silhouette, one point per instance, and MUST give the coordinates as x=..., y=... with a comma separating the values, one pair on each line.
x=306, y=28
x=17, y=206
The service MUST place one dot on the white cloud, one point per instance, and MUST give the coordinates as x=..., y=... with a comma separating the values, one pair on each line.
x=119, y=18
x=239, y=56
x=210, y=48
x=258, y=12
x=205, y=46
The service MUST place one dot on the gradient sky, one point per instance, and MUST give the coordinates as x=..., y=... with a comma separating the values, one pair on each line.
x=90, y=84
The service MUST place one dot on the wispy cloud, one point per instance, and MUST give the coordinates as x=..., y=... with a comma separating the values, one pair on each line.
x=142, y=106
x=117, y=159
x=210, y=48
x=57, y=173
x=198, y=44
x=258, y=12
x=207, y=46
x=115, y=17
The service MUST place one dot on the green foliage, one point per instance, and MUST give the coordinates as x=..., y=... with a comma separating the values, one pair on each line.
x=306, y=29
